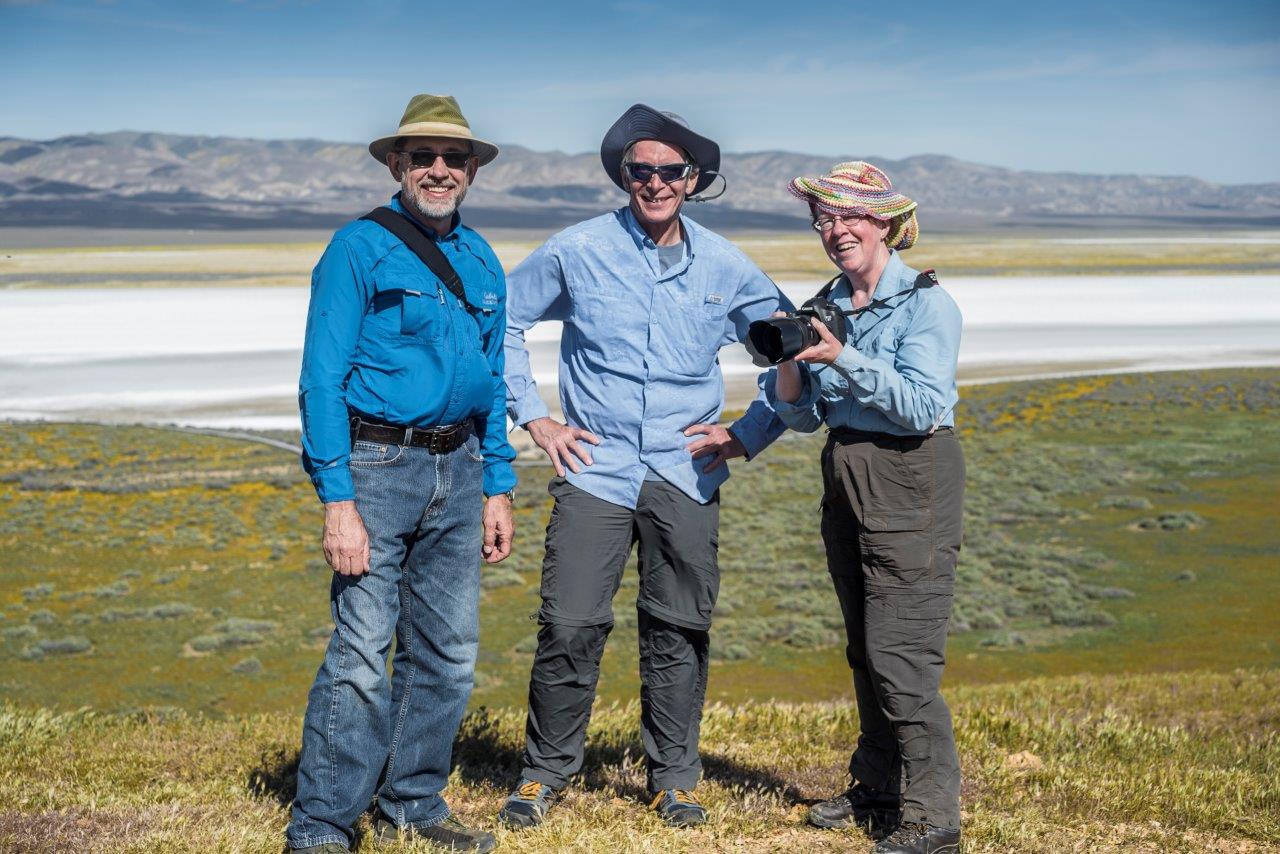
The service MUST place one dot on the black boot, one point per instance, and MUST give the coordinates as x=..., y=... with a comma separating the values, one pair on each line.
x=858, y=805
x=911, y=838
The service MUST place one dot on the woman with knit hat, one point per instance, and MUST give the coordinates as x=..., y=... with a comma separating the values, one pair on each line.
x=893, y=478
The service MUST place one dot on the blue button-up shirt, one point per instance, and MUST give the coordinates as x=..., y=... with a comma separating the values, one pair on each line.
x=897, y=371
x=386, y=338
x=638, y=352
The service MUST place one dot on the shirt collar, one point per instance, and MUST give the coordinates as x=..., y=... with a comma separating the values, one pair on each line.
x=893, y=278
x=645, y=245
x=455, y=227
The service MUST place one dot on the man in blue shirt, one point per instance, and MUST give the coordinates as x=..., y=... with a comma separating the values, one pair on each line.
x=647, y=298
x=404, y=436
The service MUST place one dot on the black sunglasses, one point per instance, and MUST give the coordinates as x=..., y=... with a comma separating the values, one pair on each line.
x=424, y=158
x=666, y=173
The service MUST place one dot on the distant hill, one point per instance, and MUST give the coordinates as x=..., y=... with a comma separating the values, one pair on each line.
x=154, y=180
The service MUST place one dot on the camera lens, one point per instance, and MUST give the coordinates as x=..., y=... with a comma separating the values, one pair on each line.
x=780, y=338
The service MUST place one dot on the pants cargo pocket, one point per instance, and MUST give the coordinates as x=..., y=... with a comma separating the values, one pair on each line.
x=906, y=643
x=897, y=548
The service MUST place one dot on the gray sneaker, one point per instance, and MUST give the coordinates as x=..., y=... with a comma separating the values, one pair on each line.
x=326, y=848
x=528, y=805
x=448, y=835
x=678, y=808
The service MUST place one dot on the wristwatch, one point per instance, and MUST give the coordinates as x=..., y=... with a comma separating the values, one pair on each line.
x=510, y=493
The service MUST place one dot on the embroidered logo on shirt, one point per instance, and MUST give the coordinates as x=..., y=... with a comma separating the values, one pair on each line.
x=490, y=298
x=715, y=299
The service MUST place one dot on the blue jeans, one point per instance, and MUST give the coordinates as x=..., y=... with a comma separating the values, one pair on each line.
x=423, y=515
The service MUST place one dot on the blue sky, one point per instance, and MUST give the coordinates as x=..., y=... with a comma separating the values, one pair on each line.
x=1152, y=87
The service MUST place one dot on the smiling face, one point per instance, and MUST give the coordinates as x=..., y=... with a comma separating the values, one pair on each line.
x=656, y=204
x=432, y=192
x=857, y=246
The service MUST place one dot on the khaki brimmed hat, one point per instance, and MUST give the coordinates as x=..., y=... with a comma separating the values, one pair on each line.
x=860, y=188
x=433, y=115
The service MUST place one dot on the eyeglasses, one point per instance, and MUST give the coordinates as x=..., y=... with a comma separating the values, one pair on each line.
x=667, y=172
x=826, y=223
x=425, y=158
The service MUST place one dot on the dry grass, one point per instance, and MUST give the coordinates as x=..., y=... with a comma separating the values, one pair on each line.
x=1183, y=762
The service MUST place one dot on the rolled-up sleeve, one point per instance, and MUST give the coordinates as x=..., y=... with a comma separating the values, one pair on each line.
x=805, y=414
x=340, y=290
x=536, y=291
x=914, y=390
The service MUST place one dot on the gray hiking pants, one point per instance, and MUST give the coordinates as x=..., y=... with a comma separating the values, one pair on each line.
x=588, y=543
x=891, y=523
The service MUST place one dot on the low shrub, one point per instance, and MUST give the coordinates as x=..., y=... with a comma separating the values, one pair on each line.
x=1125, y=502
x=70, y=645
x=1183, y=520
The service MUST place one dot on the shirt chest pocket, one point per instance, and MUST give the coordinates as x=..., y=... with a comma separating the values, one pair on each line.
x=408, y=300
x=700, y=317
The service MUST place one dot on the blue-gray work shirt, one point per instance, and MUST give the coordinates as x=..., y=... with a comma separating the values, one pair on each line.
x=638, y=354
x=897, y=372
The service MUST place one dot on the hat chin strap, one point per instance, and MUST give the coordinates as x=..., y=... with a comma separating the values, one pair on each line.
x=723, y=190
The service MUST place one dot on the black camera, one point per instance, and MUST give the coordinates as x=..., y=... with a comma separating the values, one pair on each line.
x=778, y=339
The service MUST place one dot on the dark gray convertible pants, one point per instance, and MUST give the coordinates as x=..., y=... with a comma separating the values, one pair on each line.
x=588, y=542
x=891, y=523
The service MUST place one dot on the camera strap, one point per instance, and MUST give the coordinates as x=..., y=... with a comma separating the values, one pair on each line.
x=424, y=247
x=927, y=279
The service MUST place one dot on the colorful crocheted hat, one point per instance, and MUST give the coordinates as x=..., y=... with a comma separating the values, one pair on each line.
x=860, y=188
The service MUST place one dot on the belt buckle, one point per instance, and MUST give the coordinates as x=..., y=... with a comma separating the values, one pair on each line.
x=407, y=438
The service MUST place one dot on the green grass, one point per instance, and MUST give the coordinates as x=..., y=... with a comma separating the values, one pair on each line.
x=1177, y=763
x=177, y=556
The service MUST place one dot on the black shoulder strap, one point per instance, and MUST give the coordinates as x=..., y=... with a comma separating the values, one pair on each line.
x=830, y=286
x=423, y=247
x=927, y=279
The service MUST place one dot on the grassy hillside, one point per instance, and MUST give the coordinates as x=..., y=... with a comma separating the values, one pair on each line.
x=1113, y=524
x=1169, y=763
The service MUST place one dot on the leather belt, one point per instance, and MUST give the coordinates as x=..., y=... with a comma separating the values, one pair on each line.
x=847, y=435
x=437, y=440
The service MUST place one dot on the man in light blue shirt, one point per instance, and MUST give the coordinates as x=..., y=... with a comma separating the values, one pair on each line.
x=647, y=298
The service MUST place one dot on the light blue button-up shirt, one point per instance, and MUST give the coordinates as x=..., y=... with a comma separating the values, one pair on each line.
x=897, y=372
x=638, y=353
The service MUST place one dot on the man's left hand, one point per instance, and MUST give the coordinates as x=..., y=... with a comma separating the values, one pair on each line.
x=826, y=350
x=715, y=440
x=499, y=526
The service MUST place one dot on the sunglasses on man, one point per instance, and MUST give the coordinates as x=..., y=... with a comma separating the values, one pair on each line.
x=667, y=172
x=424, y=158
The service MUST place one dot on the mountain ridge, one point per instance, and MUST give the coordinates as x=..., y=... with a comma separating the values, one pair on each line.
x=154, y=180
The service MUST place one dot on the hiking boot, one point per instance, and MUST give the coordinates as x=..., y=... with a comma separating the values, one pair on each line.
x=528, y=805
x=912, y=838
x=326, y=848
x=449, y=835
x=678, y=808
x=859, y=804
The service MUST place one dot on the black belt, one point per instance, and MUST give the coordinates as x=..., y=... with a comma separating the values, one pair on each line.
x=437, y=440
x=848, y=434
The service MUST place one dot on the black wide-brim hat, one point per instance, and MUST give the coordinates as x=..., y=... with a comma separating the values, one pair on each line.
x=644, y=122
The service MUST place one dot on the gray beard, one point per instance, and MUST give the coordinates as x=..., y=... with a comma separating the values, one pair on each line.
x=427, y=210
